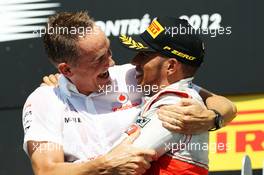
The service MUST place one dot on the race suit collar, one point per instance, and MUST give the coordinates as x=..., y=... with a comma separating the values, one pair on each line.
x=182, y=84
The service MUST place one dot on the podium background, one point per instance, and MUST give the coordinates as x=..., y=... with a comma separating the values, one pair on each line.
x=233, y=62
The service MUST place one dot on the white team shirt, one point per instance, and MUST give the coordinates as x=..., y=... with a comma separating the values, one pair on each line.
x=85, y=126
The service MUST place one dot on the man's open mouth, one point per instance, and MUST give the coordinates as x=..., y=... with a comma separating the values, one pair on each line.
x=104, y=74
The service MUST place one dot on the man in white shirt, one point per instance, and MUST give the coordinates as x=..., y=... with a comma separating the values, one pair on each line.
x=76, y=122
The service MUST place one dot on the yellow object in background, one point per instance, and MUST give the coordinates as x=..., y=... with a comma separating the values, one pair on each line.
x=244, y=135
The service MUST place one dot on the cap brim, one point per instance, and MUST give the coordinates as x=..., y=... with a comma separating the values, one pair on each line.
x=134, y=43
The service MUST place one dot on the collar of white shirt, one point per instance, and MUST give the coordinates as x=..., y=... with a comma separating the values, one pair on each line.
x=68, y=88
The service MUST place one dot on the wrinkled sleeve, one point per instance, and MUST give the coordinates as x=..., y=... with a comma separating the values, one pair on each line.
x=153, y=135
x=42, y=117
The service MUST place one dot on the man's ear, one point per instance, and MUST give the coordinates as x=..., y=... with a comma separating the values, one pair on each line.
x=65, y=69
x=172, y=66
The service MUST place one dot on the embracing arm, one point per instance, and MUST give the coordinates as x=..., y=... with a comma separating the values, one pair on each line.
x=221, y=104
x=51, y=161
x=190, y=117
x=123, y=159
x=153, y=134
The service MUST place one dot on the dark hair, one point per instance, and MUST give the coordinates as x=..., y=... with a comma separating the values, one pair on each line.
x=61, y=46
x=189, y=70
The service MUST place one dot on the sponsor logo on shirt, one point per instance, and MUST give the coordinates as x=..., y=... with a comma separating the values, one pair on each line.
x=72, y=119
x=118, y=106
x=122, y=98
x=142, y=121
x=27, y=117
x=124, y=107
